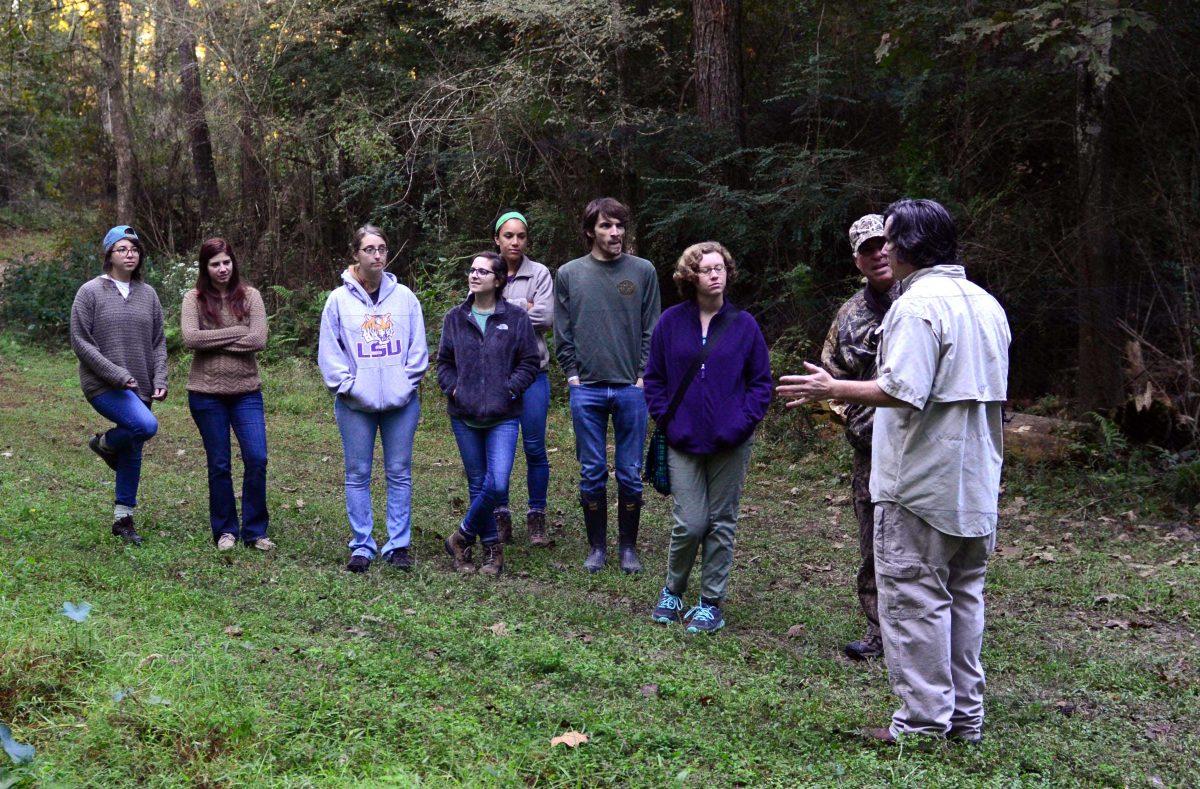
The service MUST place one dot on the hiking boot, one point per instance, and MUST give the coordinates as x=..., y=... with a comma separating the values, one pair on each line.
x=704, y=618
x=868, y=647
x=669, y=609
x=503, y=524
x=400, y=559
x=535, y=522
x=226, y=542
x=123, y=528
x=261, y=544
x=629, y=517
x=358, y=564
x=107, y=455
x=459, y=551
x=595, y=520
x=493, y=559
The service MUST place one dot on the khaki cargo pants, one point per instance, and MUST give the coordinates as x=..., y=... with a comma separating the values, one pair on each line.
x=931, y=614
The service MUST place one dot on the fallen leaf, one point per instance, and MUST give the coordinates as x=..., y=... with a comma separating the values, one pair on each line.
x=572, y=739
x=409, y=611
x=1109, y=597
x=650, y=691
x=1065, y=708
x=6, y=454
x=299, y=504
x=159, y=701
x=795, y=631
x=122, y=694
x=357, y=631
x=369, y=618
x=153, y=656
x=1117, y=624
x=233, y=630
x=500, y=629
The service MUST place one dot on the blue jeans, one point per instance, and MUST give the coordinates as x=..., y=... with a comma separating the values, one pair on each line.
x=534, y=407
x=135, y=426
x=214, y=415
x=487, y=456
x=591, y=406
x=397, y=426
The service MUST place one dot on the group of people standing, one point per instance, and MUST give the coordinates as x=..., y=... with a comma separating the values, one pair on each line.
x=919, y=341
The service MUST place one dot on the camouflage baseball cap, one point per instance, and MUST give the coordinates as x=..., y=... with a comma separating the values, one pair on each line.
x=866, y=227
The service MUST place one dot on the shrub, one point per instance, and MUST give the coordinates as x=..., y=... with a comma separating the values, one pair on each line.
x=36, y=295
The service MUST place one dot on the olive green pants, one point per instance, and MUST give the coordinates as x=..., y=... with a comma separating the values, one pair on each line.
x=706, y=490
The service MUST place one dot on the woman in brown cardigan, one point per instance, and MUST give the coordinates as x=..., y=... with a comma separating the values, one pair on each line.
x=224, y=324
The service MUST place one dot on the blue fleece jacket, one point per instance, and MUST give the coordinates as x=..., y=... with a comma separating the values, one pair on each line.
x=485, y=373
x=372, y=354
x=728, y=397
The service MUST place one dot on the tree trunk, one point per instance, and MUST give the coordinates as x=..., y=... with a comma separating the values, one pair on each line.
x=194, y=118
x=716, y=42
x=112, y=97
x=1100, y=383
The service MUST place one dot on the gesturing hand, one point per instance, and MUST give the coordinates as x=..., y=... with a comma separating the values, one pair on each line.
x=815, y=386
x=159, y=394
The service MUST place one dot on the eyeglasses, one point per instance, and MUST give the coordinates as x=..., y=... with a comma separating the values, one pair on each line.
x=373, y=251
x=125, y=250
x=717, y=269
x=480, y=272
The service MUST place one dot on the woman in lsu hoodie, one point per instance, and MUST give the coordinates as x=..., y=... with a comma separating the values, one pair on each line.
x=488, y=357
x=372, y=355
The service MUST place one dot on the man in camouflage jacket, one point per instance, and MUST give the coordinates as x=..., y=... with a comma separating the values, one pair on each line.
x=849, y=353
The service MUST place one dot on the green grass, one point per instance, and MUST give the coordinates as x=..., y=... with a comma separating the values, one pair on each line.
x=284, y=670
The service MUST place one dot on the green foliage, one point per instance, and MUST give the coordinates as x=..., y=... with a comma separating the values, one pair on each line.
x=36, y=293
x=294, y=323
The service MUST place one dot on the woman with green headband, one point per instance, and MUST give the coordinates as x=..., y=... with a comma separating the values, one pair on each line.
x=530, y=287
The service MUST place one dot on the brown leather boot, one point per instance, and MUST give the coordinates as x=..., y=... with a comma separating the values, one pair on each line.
x=503, y=524
x=493, y=559
x=535, y=522
x=460, y=552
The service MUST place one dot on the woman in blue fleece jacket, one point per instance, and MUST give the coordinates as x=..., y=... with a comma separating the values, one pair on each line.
x=372, y=355
x=488, y=357
x=709, y=436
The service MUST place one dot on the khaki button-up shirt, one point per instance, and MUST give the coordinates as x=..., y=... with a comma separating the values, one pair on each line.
x=944, y=351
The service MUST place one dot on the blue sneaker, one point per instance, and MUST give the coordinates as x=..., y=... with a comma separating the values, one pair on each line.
x=704, y=618
x=670, y=608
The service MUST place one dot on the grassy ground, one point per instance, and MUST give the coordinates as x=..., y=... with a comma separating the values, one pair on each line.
x=195, y=669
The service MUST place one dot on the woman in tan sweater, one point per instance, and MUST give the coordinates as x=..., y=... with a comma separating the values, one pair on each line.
x=224, y=324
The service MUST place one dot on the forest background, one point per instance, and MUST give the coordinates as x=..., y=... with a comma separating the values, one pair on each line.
x=1063, y=136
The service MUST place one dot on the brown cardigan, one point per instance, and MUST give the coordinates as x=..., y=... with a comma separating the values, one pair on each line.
x=224, y=361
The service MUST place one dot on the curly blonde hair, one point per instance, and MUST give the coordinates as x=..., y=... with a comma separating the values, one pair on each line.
x=687, y=268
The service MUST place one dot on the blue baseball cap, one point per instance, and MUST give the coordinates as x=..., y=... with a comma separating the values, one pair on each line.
x=116, y=234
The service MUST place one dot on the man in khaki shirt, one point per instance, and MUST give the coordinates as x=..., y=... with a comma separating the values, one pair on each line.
x=935, y=470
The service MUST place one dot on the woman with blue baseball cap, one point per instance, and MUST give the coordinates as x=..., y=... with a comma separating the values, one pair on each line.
x=117, y=333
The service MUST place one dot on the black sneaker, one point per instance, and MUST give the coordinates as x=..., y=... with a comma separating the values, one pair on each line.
x=123, y=528
x=867, y=648
x=400, y=559
x=358, y=564
x=107, y=455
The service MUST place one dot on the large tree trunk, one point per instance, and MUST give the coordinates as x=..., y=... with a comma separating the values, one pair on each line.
x=716, y=42
x=1100, y=384
x=112, y=98
x=194, y=118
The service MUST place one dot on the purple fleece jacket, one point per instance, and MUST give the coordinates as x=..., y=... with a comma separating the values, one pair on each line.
x=728, y=397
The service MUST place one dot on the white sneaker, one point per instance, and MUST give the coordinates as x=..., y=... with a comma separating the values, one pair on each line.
x=263, y=544
x=226, y=542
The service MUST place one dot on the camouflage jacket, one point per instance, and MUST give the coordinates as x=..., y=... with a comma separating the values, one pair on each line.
x=849, y=353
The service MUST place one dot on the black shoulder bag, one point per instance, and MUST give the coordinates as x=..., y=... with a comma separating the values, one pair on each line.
x=655, y=469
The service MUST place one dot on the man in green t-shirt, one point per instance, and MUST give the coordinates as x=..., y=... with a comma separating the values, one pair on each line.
x=605, y=306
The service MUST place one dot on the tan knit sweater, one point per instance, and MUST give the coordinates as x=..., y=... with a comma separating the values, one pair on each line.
x=224, y=361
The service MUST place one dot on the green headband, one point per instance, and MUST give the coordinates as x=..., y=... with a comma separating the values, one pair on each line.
x=510, y=215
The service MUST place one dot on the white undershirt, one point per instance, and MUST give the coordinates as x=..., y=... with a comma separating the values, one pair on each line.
x=123, y=287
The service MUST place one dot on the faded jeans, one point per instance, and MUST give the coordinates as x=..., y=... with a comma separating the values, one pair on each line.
x=591, y=406
x=487, y=456
x=931, y=615
x=706, y=490
x=397, y=426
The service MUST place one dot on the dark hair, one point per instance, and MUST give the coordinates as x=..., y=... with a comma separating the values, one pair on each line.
x=208, y=298
x=499, y=269
x=687, y=268
x=591, y=215
x=923, y=233
x=137, y=242
x=363, y=232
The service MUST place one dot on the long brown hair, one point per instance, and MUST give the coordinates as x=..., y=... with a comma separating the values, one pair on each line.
x=208, y=298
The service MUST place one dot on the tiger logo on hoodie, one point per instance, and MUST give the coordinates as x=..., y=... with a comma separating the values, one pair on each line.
x=378, y=328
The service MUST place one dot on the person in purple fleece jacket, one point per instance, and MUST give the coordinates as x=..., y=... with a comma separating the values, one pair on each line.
x=709, y=436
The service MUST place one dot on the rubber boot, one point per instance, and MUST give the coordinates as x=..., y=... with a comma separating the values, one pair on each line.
x=503, y=524
x=629, y=517
x=595, y=519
